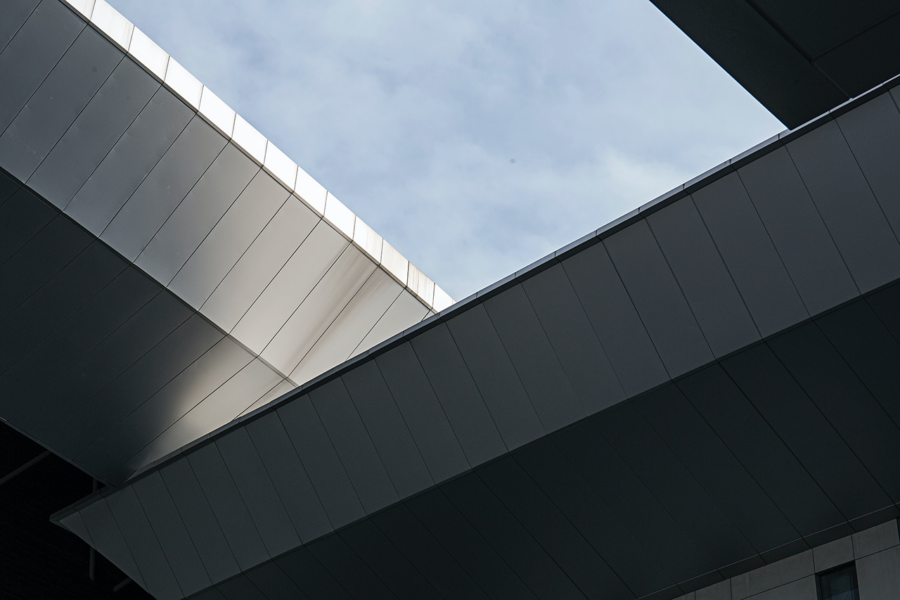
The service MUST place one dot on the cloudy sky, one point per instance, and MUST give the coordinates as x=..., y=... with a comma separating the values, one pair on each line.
x=475, y=136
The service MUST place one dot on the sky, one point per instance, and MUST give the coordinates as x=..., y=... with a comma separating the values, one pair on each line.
x=476, y=137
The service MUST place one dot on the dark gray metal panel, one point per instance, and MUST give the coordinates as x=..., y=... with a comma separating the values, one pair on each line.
x=8, y=186
x=493, y=373
x=75, y=524
x=210, y=594
x=15, y=13
x=108, y=539
x=164, y=188
x=615, y=320
x=805, y=430
x=135, y=154
x=658, y=299
x=240, y=588
x=347, y=568
x=708, y=459
x=533, y=357
x=197, y=214
x=309, y=575
x=32, y=53
x=230, y=510
x=21, y=218
x=573, y=339
x=158, y=577
x=59, y=99
x=199, y=520
x=797, y=230
x=353, y=445
x=102, y=122
x=886, y=305
x=325, y=470
x=694, y=259
x=289, y=477
x=172, y=534
x=258, y=492
x=550, y=528
x=422, y=412
x=456, y=390
x=387, y=429
x=271, y=581
x=593, y=518
x=749, y=254
x=847, y=205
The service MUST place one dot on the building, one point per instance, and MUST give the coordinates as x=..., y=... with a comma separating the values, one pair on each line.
x=699, y=400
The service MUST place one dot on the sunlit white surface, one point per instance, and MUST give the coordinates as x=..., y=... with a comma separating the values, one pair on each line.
x=421, y=285
x=85, y=7
x=339, y=215
x=442, y=299
x=394, y=263
x=310, y=190
x=366, y=238
x=112, y=23
x=249, y=139
x=217, y=112
x=183, y=83
x=279, y=165
x=148, y=53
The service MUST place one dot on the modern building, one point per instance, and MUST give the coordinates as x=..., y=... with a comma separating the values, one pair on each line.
x=700, y=400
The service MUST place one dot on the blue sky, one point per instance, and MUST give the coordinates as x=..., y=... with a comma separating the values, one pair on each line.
x=475, y=136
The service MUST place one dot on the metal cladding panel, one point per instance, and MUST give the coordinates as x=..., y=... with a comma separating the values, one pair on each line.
x=348, y=569
x=310, y=576
x=350, y=326
x=759, y=449
x=276, y=392
x=229, y=239
x=422, y=411
x=289, y=477
x=388, y=430
x=15, y=13
x=164, y=188
x=805, y=430
x=462, y=403
x=199, y=520
x=210, y=594
x=75, y=524
x=141, y=540
x=796, y=228
x=844, y=400
x=615, y=320
x=290, y=287
x=21, y=218
x=93, y=133
x=172, y=534
x=495, y=377
x=703, y=278
x=467, y=547
x=108, y=539
x=228, y=507
x=55, y=104
x=8, y=186
x=271, y=581
x=593, y=518
x=533, y=358
x=749, y=254
x=258, y=492
x=886, y=305
x=350, y=439
x=865, y=60
x=260, y=263
x=197, y=214
x=573, y=339
x=403, y=313
x=848, y=207
x=550, y=528
x=321, y=462
x=630, y=499
x=437, y=574
x=708, y=459
x=32, y=54
x=240, y=588
x=123, y=169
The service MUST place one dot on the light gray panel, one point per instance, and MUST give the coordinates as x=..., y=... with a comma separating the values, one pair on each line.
x=289, y=477
x=405, y=312
x=276, y=392
x=453, y=384
x=319, y=310
x=833, y=554
x=289, y=288
x=199, y=520
x=93, y=134
x=228, y=240
x=658, y=299
x=164, y=188
x=133, y=156
x=797, y=230
x=573, y=339
x=15, y=13
x=847, y=205
x=228, y=506
x=56, y=103
x=879, y=575
x=353, y=445
x=172, y=535
x=139, y=536
x=615, y=320
x=774, y=575
x=259, y=264
x=75, y=524
x=322, y=464
x=107, y=538
x=749, y=254
x=422, y=412
x=348, y=329
x=32, y=53
x=703, y=278
x=258, y=492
